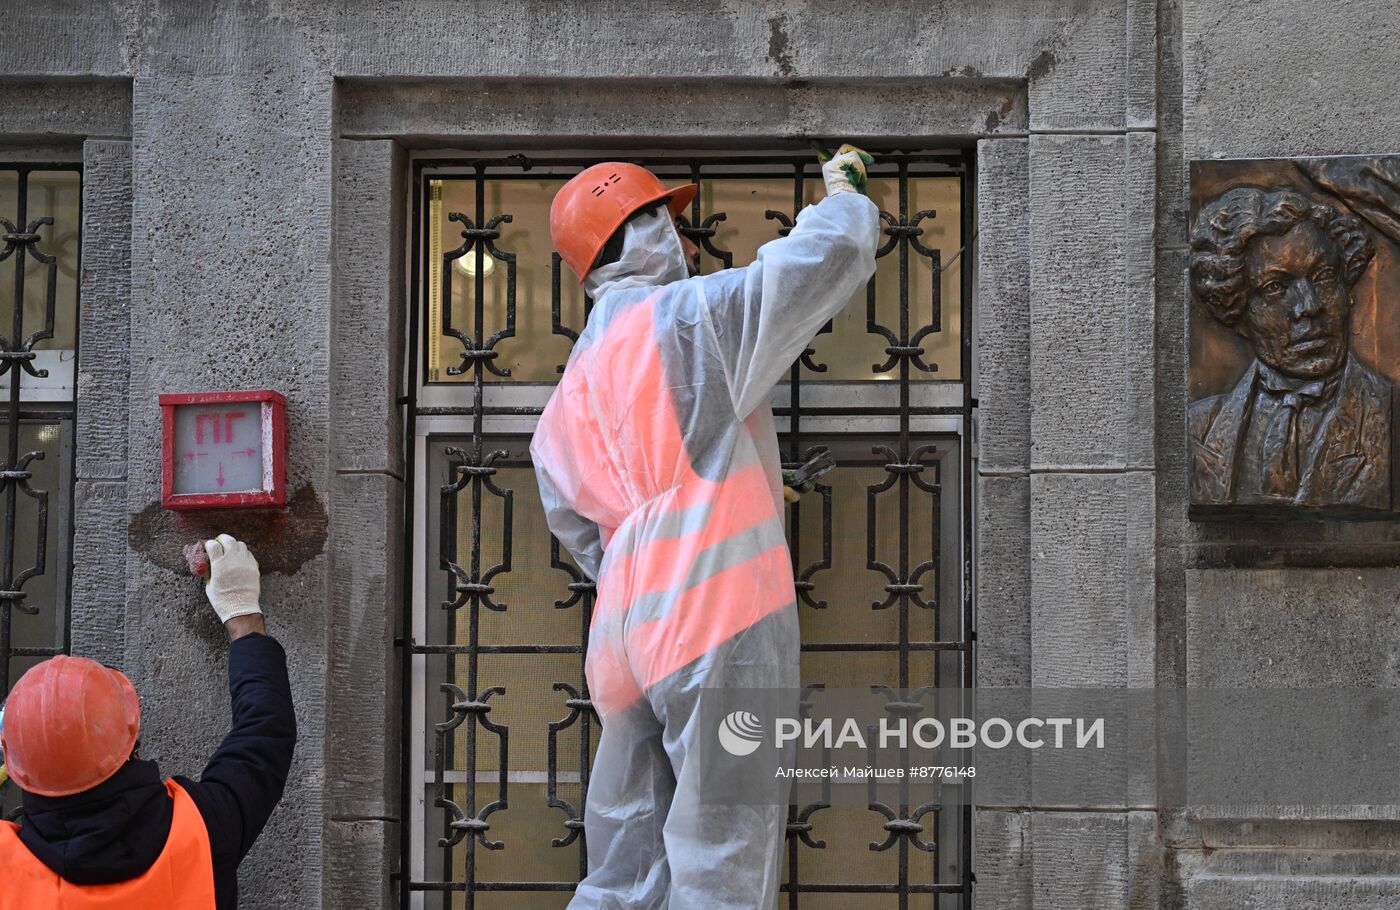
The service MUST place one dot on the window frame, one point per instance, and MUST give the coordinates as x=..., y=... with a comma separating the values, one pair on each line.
x=932, y=408
x=43, y=400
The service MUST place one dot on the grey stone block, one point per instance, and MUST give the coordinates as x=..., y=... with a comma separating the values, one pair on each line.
x=360, y=858
x=1171, y=612
x=1081, y=860
x=1003, y=317
x=367, y=319
x=1092, y=583
x=1292, y=628
x=67, y=38
x=231, y=289
x=1297, y=892
x=1083, y=78
x=98, y=601
x=1143, y=77
x=1004, y=861
x=1246, y=94
x=366, y=572
x=1346, y=847
x=1171, y=356
x=1002, y=551
x=741, y=40
x=435, y=111
x=1092, y=304
x=104, y=328
x=45, y=110
x=1171, y=163
x=1104, y=859
x=1147, y=862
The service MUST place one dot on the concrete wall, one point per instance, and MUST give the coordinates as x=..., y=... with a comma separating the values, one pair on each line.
x=244, y=227
x=1250, y=604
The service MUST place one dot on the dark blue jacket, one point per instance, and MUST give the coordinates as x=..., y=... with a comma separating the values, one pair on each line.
x=116, y=830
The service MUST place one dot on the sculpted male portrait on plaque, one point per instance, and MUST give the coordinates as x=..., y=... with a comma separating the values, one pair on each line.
x=1295, y=337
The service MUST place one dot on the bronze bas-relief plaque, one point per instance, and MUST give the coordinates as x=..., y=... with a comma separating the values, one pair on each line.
x=1295, y=337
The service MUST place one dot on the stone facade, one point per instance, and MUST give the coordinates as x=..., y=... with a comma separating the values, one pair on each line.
x=255, y=152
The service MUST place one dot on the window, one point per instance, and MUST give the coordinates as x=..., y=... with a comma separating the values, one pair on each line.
x=499, y=733
x=40, y=221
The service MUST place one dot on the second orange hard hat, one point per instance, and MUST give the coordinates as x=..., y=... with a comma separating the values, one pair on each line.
x=594, y=204
x=70, y=724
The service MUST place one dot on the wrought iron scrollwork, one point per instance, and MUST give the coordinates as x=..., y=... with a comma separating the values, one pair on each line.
x=900, y=823
x=901, y=581
x=909, y=483
x=800, y=827
x=471, y=582
x=803, y=576
x=466, y=821
x=581, y=710
x=480, y=242
x=23, y=238
x=903, y=231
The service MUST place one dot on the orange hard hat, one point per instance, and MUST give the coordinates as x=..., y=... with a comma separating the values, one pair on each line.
x=594, y=204
x=70, y=723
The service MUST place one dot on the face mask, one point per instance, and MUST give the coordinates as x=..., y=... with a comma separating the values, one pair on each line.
x=651, y=255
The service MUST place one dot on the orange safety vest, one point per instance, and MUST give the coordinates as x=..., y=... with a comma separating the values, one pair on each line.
x=181, y=877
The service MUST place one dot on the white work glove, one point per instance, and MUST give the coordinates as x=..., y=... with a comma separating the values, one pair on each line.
x=844, y=172
x=234, y=581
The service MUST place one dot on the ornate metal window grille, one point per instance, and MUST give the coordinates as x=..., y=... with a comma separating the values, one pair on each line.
x=498, y=726
x=40, y=223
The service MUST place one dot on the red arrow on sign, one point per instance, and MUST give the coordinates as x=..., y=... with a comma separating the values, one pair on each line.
x=221, y=473
x=248, y=451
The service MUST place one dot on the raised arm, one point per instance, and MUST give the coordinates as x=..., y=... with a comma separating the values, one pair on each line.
x=244, y=780
x=764, y=315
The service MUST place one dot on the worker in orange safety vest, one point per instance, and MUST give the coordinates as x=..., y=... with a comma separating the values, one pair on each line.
x=100, y=829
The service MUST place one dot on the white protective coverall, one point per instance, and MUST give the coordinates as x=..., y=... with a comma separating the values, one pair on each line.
x=659, y=470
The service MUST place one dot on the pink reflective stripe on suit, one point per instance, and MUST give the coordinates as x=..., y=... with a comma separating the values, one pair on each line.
x=659, y=472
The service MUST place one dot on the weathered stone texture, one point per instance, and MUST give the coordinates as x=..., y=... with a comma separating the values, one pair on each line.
x=1293, y=628
x=40, y=110
x=98, y=599
x=1005, y=860
x=360, y=857
x=231, y=289
x=1003, y=542
x=585, y=110
x=66, y=38
x=362, y=769
x=1092, y=307
x=801, y=40
x=1092, y=587
x=367, y=318
x=1289, y=78
x=104, y=328
x=1297, y=892
x=1104, y=859
x=1003, y=321
x=1092, y=76
x=98, y=596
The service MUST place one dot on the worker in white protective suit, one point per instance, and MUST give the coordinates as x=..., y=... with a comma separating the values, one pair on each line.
x=658, y=466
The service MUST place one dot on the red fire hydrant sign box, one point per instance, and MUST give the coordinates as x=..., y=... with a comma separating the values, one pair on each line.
x=223, y=450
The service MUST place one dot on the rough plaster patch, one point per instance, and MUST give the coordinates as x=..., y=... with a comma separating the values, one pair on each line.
x=283, y=539
x=778, y=47
x=994, y=117
x=1041, y=66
